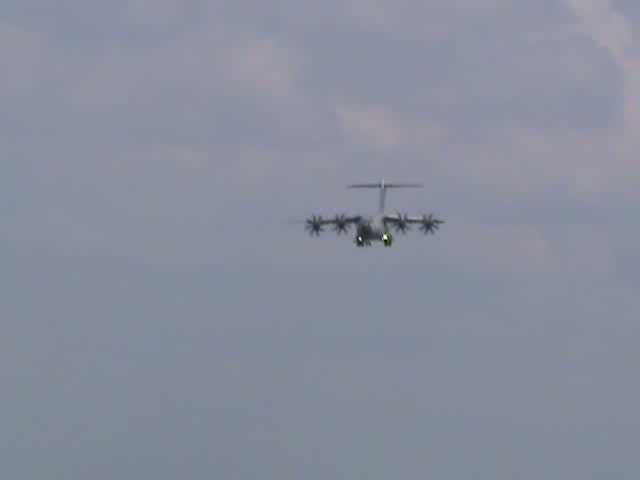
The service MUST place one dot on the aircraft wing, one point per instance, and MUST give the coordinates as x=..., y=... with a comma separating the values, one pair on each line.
x=341, y=223
x=403, y=222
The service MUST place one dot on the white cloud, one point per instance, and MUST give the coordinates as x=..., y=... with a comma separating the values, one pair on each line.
x=607, y=27
x=203, y=70
x=613, y=32
x=383, y=129
x=262, y=66
x=207, y=63
x=510, y=158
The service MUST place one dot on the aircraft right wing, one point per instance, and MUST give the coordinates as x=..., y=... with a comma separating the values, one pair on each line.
x=341, y=223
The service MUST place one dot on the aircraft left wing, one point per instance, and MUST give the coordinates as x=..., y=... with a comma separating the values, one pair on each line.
x=403, y=222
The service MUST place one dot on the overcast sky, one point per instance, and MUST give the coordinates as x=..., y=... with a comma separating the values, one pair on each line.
x=160, y=319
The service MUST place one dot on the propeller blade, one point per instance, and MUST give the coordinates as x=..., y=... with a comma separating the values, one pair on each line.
x=429, y=224
x=341, y=225
x=314, y=226
x=402, y=224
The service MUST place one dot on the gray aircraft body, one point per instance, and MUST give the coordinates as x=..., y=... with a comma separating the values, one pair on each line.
x=375, y=227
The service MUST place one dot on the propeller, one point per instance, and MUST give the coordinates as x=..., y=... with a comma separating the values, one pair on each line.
x=430, y=224
x=341, y=225
x=402, y=225
x=314, y=226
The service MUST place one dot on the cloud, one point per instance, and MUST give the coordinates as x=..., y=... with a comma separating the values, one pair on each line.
x=607, y=27
x=158, y=301
x=184, y=106
x=542, y=116
x=200, y=66
x=613, y=31
x=381, y=128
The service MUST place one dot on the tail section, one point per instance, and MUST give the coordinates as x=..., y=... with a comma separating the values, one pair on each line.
x=382, y=186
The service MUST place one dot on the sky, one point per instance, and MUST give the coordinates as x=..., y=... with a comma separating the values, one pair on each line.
x=162, y=319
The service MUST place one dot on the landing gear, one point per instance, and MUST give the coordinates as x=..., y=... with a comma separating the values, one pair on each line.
x=362, y=242
x=387, y=239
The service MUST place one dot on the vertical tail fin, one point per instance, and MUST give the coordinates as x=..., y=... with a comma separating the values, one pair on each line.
x=382, y=186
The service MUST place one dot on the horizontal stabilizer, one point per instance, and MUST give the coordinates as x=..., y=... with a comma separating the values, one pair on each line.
x=385, y=185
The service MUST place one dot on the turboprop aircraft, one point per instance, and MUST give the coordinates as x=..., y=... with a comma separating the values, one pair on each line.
x=375, y=227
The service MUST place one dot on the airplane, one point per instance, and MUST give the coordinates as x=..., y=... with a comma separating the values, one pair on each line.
x=375, y=227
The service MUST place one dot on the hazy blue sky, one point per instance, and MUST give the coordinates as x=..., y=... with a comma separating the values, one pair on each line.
x=160, y=320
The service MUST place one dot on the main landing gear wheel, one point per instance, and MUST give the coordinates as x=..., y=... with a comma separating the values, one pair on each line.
x=387, y=239
x=362, y=242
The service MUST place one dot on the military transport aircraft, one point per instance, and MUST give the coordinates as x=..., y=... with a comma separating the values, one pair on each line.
x=375, y=227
